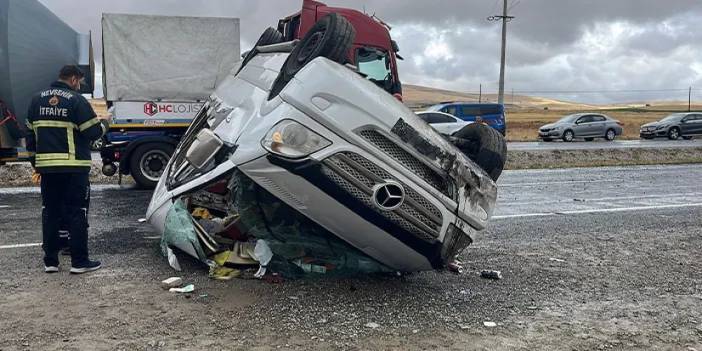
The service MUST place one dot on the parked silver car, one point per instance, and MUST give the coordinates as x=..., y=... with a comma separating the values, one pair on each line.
x=582, y=125
x=686, y=125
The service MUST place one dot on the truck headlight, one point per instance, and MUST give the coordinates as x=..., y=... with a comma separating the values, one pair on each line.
x=293, y=140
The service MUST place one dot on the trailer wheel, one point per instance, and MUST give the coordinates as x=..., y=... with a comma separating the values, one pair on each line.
x=147, y=163
x=484, y=145
x=269, y=37
x=331, y=37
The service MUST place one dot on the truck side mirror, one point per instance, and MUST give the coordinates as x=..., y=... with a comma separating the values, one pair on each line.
x=203, y=149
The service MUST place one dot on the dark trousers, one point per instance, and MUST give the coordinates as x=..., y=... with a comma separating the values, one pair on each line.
x=65, y=198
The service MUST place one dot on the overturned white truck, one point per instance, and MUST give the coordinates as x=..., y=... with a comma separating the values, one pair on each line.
x=332, y=172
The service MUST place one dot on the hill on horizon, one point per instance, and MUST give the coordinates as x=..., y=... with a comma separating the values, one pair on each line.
x=418, y=97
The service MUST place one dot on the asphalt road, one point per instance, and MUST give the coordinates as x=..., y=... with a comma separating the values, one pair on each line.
x=604, y=258
x=600, y=144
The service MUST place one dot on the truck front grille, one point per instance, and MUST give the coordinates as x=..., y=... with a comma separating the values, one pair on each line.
x=408, y=161
x=357, y=176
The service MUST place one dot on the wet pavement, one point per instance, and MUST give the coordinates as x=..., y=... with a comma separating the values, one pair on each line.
x=601, y=144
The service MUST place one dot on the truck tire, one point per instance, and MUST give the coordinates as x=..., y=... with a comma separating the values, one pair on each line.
x=148, y=162
x=269, y=37
x=331, y=37
x=485, y=146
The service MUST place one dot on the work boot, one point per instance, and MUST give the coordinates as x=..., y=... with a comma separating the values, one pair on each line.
x=88, y=266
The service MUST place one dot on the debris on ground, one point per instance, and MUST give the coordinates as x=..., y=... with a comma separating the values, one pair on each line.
x=455, y=266
x=555, y=259
x=490, y=274
x=464, y=326
x=372, y=325
x=172, y=282
x=184, y=290
x=490, y=324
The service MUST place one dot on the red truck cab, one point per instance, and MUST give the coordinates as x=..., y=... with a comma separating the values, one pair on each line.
x=373, y=52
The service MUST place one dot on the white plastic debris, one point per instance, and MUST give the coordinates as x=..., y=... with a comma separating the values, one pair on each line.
x=555, y=259
x=186, y=289
x=172, y=259
x=372, y=325
x=490, y=324
x=172, y=282
x=141, y=220
x=263, y=254
x=490, y=274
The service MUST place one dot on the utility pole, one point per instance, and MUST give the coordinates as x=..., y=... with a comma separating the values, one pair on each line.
x=480, y=94
x=689, y=100
x=505, y=18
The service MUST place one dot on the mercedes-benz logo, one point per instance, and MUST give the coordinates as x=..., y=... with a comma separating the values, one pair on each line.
x=389, y=195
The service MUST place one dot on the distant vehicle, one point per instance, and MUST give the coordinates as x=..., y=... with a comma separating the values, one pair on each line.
x=685, y=125
x=443, y=123
x=492, y=114
x=582, y=125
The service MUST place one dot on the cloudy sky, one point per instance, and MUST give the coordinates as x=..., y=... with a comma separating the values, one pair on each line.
x=583, y=50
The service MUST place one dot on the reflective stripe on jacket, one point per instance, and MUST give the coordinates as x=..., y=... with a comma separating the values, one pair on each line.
x=63, y=125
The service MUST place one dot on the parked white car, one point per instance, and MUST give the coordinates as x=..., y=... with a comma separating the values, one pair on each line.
x=444, y=123
x=336, y=149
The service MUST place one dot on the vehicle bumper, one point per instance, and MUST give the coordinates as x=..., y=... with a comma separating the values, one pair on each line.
x=549, y=135
x=652, y=134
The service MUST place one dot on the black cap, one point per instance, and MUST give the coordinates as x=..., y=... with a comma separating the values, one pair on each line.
x=71, y=71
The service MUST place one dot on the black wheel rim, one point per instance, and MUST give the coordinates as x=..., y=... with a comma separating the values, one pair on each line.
x=152, y=164
x=310, y=46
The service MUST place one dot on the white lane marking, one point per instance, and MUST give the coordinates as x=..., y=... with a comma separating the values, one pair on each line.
x=598, y=210
x=594, y=181
x=17, y=246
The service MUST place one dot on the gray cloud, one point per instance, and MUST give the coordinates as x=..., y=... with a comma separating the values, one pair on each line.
x=553, y=45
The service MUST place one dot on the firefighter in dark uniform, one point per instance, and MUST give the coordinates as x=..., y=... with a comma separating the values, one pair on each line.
x=63, y=125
